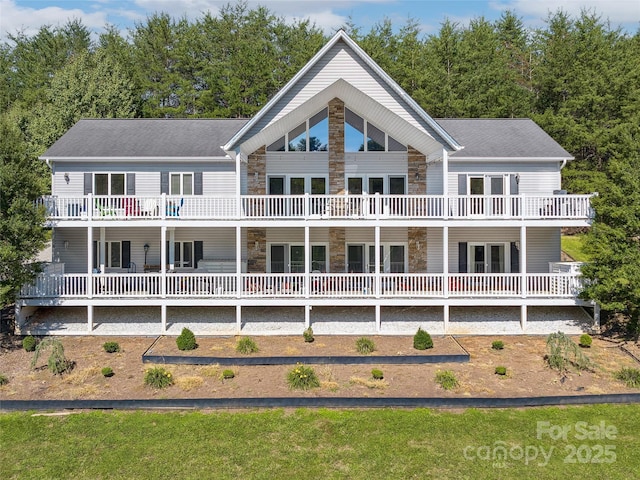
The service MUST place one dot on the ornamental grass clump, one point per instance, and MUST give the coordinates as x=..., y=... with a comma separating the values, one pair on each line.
x=158, y=377
x=302, y=378
x=107, y=372
x=497, y=345
x=186, y=340
x=228, y=374
x=29, y=343
x=630, y=376
x=3, y=379
x=422, y=340
x=446, y=379
x=246, y=346
x=111, y=347
x=365, y=346
x=377, y=374
x=501, y=370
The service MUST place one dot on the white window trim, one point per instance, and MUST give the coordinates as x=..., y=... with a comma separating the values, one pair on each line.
x=307, y=182
x=486, y=245
x=180, y=264
x=385, y=182
x=181, y=193
x=287, y=254
x=109, y=174
x=386, y=261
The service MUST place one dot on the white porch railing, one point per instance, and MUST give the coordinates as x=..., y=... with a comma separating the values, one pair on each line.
x=296, y=285
x=318, y=206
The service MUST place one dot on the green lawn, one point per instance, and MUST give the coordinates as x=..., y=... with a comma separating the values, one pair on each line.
x=317, y=444
x=572, y=246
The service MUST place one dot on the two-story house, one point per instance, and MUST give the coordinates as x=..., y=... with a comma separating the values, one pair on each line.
x=342, y=205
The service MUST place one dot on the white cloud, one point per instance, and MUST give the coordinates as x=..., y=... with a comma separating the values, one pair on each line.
x=619, y=12
x=27, y=20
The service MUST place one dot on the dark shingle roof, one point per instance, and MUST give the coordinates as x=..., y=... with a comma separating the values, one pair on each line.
x=163, y=138
x=502, y=138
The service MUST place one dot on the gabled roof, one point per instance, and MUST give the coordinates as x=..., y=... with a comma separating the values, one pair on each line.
x=502, y=138
x=341, y=36
x=144, y=138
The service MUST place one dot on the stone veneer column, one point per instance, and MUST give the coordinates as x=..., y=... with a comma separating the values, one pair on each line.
x=417, y=167
x=256, y=257
x=417, y=249
x=336, y=146
x=257, y=185
x=336, y=180
x=336, y=249
x=416, y=164
x=256, y=163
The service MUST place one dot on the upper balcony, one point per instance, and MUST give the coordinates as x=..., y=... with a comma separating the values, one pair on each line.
x=317, y=207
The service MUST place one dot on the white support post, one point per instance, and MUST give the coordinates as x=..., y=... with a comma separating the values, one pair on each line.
x=172, y=249
x=102, y=249
x=445, y=174
x=445, y=315
x=523, y=318
x=163, y=264
x=307, y=316
x=523, y=261
x=89, y=260
x=238, y=319
x=163, y=318
x=307, y=261
x=238, y=261
x=238, y=186
x=445, y=261
x=378, y=321
x=377, y=265
x=596, y=316
x=90, y=318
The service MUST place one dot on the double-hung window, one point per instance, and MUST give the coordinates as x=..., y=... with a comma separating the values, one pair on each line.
x=181, y=184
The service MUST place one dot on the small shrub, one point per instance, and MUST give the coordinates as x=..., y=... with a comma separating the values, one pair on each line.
x=308, y=335
x=446, y=379
x=497, y=344
x=228, y=374
x=186, y=340
x=422, y=340
x=302, y=378
x=29, y=343
x=158, y=377
x=365, y=346
x=585, y=340
x=501, y=370
x=108, y=372
x=111, y=347
x=246, y=346
x=3, y=379
x=377, y=374
x=564, y=352
x=630, y=376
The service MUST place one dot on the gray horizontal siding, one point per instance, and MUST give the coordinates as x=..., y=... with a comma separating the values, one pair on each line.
x=540, y=178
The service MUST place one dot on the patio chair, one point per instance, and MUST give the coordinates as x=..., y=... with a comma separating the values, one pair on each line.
x=150, y=207
x=173, y=208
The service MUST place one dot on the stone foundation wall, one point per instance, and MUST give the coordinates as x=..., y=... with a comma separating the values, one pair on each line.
x=257, y=164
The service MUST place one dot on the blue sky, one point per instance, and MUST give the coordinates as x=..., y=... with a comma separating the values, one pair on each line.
x=28, y=15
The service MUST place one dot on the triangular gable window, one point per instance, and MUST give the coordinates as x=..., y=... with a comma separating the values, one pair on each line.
x=357, y=128
x=310, y=136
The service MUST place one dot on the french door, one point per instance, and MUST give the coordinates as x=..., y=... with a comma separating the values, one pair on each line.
x=487, y=258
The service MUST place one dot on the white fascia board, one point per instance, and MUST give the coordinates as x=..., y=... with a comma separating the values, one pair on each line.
x=135, y=159
x=509, y=159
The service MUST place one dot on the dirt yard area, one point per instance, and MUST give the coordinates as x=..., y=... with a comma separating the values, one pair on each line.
x=523, y=356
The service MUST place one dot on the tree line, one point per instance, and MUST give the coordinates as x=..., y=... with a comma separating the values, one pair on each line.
x=577, y=77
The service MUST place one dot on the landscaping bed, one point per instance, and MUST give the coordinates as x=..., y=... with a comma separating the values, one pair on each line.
x=527, y=373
